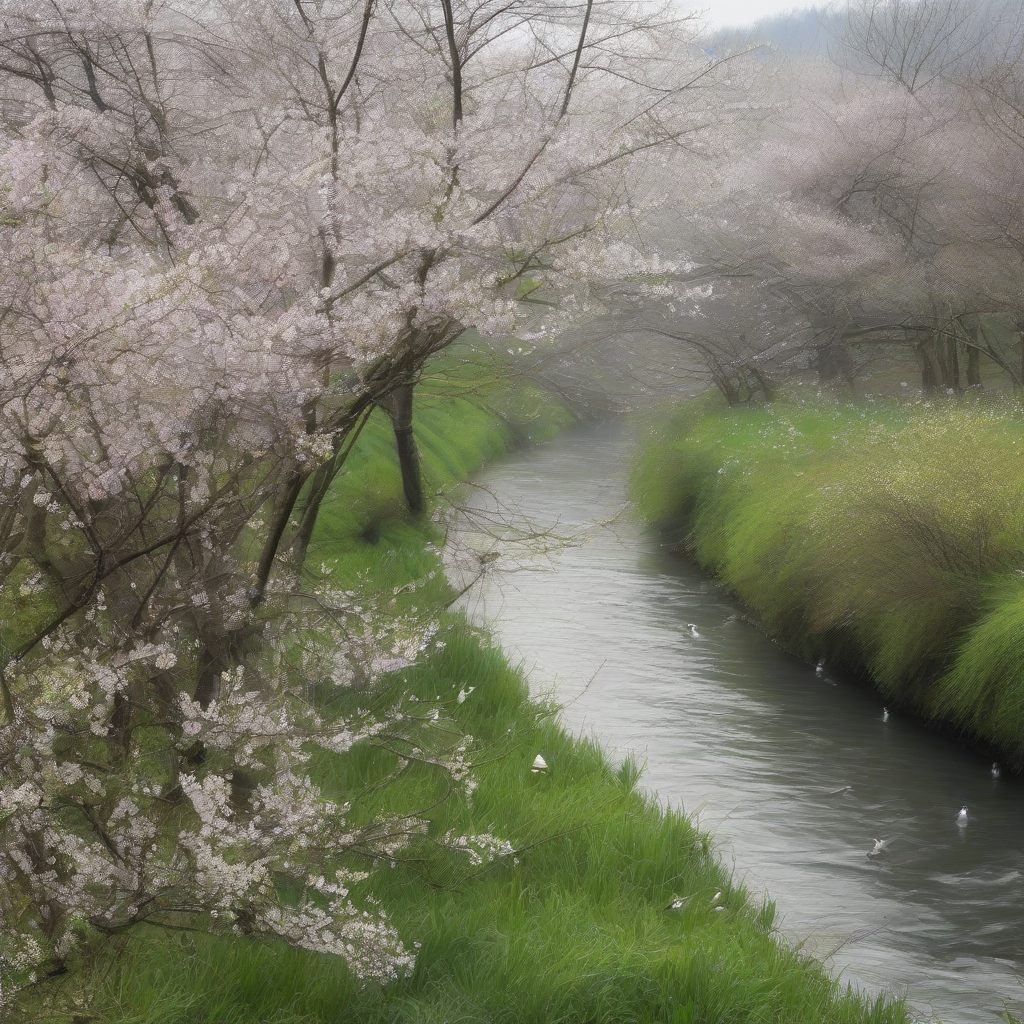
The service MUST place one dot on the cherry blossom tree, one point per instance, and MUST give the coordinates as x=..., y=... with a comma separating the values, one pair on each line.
x=882, y=217
x=229, y=231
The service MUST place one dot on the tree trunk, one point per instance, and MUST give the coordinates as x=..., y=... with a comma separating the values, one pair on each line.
x=320, y=484
x=953, y=365
x=724, y=384
x=767, y=389
x=318, y=488
x=399, y=407
x=833, y=361
x=1020, y=332
x=973, y=368
x=929, y=380
x=944, y=359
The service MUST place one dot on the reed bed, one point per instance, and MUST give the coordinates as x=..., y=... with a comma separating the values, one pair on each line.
x=886, y=537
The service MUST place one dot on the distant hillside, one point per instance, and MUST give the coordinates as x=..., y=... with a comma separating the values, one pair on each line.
x=973, y=28
x=804, y=31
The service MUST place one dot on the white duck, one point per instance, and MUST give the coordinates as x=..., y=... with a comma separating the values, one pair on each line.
x=879, y=848
x=961, y=817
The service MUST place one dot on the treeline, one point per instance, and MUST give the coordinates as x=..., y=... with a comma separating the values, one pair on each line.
x=866, y=213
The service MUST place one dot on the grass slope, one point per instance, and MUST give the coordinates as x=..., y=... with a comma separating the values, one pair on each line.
x=575, y=930
x=888, y=537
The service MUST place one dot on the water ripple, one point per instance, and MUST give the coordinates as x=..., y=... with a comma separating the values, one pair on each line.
x=795, y=774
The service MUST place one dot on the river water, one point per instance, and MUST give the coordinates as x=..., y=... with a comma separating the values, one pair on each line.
x=794, y=773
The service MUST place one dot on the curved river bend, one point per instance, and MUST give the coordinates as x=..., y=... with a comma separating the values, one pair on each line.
x=793, y=772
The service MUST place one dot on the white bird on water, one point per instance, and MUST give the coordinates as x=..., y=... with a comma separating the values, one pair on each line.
x=885, y=714
x=693, y=629
x=819, y=669
x=961, y=817
x=996, y=770
x=879, y=848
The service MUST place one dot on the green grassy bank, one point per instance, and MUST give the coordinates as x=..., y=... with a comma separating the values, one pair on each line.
x=574, y=927
x=885, y=537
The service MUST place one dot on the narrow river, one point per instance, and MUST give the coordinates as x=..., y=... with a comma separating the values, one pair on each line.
x=794, y=773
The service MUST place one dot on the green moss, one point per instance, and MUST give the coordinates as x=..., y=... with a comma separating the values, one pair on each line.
x=866, y=534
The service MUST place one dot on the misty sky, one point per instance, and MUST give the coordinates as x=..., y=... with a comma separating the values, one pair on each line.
x=722, y=13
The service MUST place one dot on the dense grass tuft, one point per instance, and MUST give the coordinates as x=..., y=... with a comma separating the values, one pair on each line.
x=984, y=689
x=889, y=537
x=576, y=930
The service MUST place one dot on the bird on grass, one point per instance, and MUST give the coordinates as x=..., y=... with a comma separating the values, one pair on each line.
x=678, y=902
x=961, y=817
x=539, y=764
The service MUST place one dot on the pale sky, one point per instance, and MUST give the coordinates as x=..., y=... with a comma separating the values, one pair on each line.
x=727, y=13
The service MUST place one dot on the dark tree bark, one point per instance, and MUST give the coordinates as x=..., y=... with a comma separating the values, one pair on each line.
x=832, y=361
x=398, y=406
x=767, y=388
x=929, y=379
x=456, y=61
x=319, y=487
x=938, y=352
x=953, y=365
x=973, y=368
x=1020, y=332
x=576, y=59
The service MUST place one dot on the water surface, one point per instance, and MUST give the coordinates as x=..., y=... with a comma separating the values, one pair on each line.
x=795, y=773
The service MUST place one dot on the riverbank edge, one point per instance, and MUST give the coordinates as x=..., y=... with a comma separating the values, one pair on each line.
x=578, y=929
x=706, y=495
